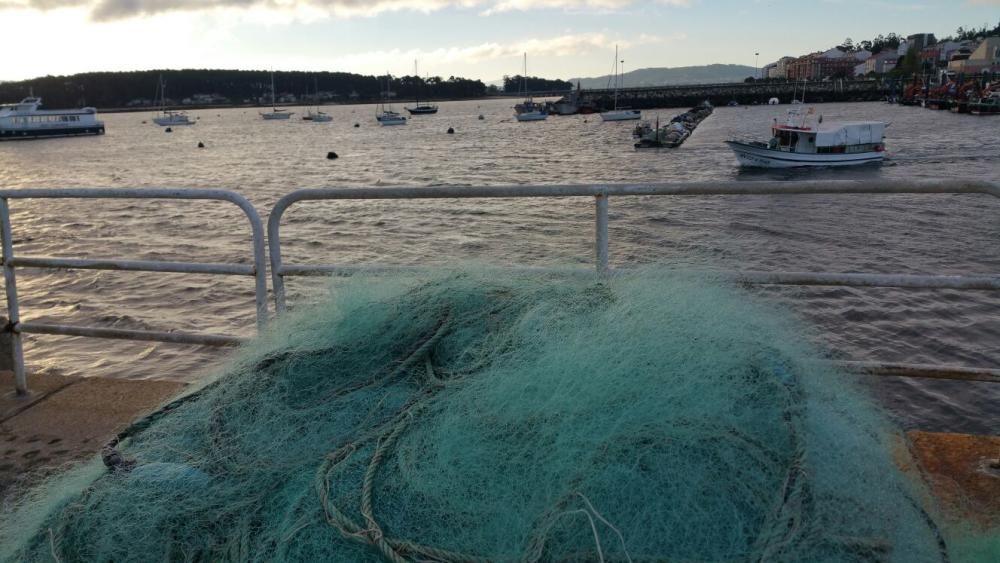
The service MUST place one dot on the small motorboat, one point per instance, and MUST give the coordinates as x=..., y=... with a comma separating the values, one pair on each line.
x=317, y=116
x=797, y=142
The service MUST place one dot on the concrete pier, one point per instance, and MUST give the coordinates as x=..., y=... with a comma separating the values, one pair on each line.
x=740, y=92
x=66, y=419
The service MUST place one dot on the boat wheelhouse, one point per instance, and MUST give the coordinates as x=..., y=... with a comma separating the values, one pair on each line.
x=797, y=142
x=25, y=120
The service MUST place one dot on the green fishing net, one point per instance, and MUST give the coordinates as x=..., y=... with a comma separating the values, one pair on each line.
x=486, y=415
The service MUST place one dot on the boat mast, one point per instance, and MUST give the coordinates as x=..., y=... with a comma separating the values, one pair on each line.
x=524, y=76
x=274, y=101
x=616, y=77
x=416, y=88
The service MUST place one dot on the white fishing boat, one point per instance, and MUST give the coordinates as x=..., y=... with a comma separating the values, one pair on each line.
x=275, y=113
x=385, y=115
x=165, y=117
x=797, y=142
x=619, y=114
x=528, y=110
x=25, y=120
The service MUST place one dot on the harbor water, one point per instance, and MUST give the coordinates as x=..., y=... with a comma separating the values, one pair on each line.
x=934, y=234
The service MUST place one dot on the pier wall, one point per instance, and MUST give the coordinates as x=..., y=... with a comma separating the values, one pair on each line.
x=742, y=93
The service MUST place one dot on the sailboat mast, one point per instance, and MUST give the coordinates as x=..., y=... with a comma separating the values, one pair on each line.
x=416, y=88
x=274, y=100
x=616, y=77
x=524, y=76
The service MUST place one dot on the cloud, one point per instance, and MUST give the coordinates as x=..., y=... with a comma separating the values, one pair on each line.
x=109, y=10
x=558, y=46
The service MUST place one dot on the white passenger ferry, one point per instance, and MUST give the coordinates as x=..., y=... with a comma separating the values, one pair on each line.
x=26, y=121
x=799, y=143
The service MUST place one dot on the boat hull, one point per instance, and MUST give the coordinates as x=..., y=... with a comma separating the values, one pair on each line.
x=531, y=116
x=389, y=121
x=27, y=134
x=621, y=115
x=166, y=121
x=280, y=115
x=754, y=156
x=422, y=110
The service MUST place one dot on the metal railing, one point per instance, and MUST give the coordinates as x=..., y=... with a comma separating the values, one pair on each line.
x=602, y=194
x=16, y=327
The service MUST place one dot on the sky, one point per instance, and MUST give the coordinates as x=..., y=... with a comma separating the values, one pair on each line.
x=481, y=39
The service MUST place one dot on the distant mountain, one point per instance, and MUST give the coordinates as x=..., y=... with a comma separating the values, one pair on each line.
x=679, y=76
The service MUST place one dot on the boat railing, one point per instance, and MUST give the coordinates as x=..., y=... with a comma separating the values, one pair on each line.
x=601, y=195
x=16, y=327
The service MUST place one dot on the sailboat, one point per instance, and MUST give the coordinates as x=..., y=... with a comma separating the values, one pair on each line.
x=275, y=113
x=388, y=116
x=313, y=114
x=418, y=109
x=528, y=110
x=166, y=117
x=619, y=114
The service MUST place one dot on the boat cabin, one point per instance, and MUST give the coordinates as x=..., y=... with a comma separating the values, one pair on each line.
x=863, y=136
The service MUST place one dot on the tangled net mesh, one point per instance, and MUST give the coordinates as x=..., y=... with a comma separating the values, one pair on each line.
x=484, y=415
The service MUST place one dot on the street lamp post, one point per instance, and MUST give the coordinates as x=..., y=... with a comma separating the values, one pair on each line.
x=756, y=64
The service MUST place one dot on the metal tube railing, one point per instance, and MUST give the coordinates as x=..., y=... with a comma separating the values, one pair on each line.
x=601, y=195
x=10, y=262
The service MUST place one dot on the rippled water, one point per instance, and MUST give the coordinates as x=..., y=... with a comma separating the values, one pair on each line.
x=264, y=160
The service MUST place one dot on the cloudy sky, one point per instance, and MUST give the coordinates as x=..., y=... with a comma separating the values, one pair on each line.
x=474, y=38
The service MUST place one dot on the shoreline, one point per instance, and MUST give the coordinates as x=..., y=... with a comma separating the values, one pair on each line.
x=193, y=107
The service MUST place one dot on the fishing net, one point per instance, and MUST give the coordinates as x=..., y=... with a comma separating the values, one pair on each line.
x=485, y=415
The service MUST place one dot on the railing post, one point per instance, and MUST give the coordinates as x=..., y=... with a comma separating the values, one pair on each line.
x=13, y=311
x=601, y=235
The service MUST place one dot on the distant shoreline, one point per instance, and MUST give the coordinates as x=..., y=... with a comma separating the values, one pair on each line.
x=297, y=104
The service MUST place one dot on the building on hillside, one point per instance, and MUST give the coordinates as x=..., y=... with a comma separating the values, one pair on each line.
x=817, y=66
x=919, y=41
x=985, y=58
x=780, y=69
x=767, y=70
x=205, y=100
x=877, y=64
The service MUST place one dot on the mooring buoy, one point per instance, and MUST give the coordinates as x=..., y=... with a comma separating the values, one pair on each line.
x=481, y=117
x=451, y=130
x=201, y=145
x=168, y=130
x=357, y=125
x=331, y=155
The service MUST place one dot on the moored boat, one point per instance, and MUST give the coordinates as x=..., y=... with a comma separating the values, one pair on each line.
x=386, y=115
x=25, y=120
x=420, y=108
x=798, y=143
x=316, y=116
x=275, y=113
x=528, y=110
x=165, y=117
x=619, y=114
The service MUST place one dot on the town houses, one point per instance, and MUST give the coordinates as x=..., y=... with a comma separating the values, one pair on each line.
x=919, y=53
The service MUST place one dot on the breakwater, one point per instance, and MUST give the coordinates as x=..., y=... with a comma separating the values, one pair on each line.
x=740, y=92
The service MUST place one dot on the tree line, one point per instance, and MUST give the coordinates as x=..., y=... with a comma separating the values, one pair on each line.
x=119, y=89
x=514, y=84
